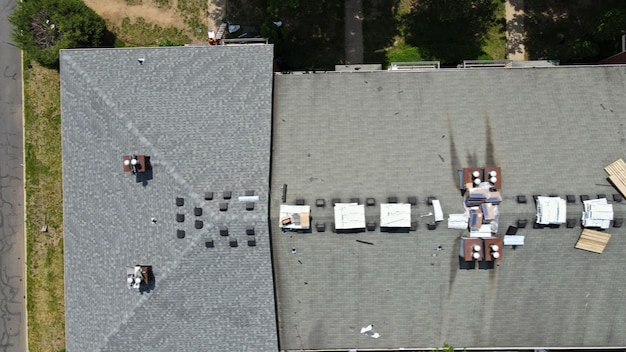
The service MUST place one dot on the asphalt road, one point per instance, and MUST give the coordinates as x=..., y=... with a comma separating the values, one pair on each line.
x=13, y=333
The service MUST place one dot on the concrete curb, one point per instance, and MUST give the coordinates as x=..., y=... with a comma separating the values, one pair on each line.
x=24, y=183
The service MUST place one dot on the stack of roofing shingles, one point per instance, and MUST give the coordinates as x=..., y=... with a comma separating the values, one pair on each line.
x=551, y=210
x=597, y=213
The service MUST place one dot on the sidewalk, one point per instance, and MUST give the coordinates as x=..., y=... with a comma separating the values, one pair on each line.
x=354, y=31
x=515, y=49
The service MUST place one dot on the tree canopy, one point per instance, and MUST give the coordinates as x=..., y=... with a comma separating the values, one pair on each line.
x=573, y=31
x=450, y=30
x=43, y=27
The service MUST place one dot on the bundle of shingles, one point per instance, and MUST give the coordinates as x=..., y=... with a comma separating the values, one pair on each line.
x=551, y=210
x=597, y=213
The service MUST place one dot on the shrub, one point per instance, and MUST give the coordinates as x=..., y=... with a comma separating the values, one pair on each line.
x=43, y=27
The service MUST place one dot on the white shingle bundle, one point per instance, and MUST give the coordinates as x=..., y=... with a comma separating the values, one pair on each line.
x=458, y=221
x=349, y=216
x=597, y=213
x=551, y=210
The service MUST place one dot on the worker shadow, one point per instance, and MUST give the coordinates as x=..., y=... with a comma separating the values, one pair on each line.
x=147, y=288
x=349, y=231
x=466, y=265
x=485, y=265
x=144, y=177
x=395, y=229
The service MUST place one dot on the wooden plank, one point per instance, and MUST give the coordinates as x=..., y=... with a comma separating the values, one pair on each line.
x=593, y=234
x=589, y=248
x=621, y=173
x=617, y=175
x=621, y=186
x=595, y=247
x=615, y=167
x=593, y=241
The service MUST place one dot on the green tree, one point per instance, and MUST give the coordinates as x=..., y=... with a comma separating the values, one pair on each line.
x=450, y=30
x=573, y=31
x=43, y=27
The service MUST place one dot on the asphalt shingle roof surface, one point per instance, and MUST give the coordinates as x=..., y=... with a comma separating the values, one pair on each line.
x=203, y=115
x=382, y=134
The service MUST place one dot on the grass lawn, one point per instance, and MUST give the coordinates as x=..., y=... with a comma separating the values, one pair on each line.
x=46, y=312
x=495, y=42
x=385, y=34
x=142, y=33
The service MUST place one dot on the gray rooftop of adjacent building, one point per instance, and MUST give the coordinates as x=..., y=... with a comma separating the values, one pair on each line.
x=381, y=134
x=203, y=115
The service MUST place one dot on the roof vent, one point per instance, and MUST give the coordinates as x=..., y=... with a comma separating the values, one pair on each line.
x=135, y=163
x=223, y=231
x=180, y=201
x=208, y=195
x=199, y=224
x=197, y=211
x=209, y=244
x=227, y=194
x=250, y=230
x=141, y=60
x=180, y=217
x=180, y=233
x=233, y=243
x=252, y=243
x=138, y=275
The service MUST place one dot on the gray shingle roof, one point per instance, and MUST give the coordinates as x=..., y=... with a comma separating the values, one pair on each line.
x=203, y=115
x=382, y=134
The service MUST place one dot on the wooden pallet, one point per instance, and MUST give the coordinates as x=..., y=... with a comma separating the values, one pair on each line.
x=617, y=175
x=593, y=241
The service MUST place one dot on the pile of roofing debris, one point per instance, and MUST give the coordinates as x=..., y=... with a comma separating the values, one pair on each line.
x=480, y=202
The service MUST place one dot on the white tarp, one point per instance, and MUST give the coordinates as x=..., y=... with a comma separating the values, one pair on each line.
x=395, y=215
x=349, y=216
x=597, y=213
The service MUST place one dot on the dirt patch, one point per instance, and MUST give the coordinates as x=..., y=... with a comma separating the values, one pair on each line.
x=114, y=11
x=215, y=13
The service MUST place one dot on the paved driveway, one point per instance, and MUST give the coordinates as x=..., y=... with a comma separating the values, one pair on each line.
x=12, y=281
